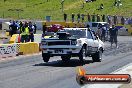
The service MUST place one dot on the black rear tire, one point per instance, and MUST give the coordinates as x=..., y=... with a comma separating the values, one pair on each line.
x=97, y=57
x=46, y=57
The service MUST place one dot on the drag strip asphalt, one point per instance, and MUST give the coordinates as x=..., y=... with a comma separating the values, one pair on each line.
x=32, y=72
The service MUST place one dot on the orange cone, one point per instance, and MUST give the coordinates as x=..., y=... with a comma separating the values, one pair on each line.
x=19, y=39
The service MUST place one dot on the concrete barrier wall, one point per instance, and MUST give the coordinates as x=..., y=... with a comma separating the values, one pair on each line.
x=14, y=38
x=27, y=48
x=7, y=50
x=12, y=50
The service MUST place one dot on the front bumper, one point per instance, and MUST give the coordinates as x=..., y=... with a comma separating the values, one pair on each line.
x=61, y=50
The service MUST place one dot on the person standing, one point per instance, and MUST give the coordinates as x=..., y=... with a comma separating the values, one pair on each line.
x=44, y=28
x=82, y=18
x=65, y=17
x=93, y=17
x=78, y=17
x=101, y=6
x=115, y=3
x=88, y=16
x=115, y=19
x=20, y=24
x=31, y=32
x=98, y=32
x=13, y=27
x=122, y=20
x=103, y=32
x=98, y=18
x=103, y=18
x=73, y=15
x=25, y=33
x=109, y=19
x=113, y=35
x=35, y=28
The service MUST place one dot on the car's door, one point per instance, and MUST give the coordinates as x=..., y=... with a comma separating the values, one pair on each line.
x=95, y=39
x=95, y=42
x=90, y=41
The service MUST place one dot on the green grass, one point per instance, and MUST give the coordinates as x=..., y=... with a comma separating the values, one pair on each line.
x=38, y=9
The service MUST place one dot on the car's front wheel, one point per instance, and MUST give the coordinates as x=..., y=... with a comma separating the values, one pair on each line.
x=97, y=57
x=82, y=54
x=46, y=57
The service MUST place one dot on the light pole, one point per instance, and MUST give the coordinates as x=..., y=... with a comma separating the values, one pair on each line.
x=62, y=5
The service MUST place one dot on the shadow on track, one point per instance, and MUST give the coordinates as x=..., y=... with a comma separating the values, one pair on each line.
x=60, y=63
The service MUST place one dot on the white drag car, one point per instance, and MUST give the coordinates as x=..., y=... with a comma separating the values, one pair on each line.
x=72, y=42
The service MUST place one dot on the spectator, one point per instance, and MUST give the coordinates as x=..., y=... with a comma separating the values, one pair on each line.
x=113, y=35
x=78, y=17
x=98, y=32
x=13, y=27
x=44, y=28
x=103, y=18
x=73, y=15
x=20, y=26
x=25, y=33
x=82, y=18
x=65, y=17
x=119, y=3
x=109, y=19
x=98, y=18
x=115, y=3
x=31, y=32
x=101, y=7
x=103, y=32
x=122, y=20
x=115, y=19
x=88, y=16
x=35, y=28
x=93, y=17
x=88, y=26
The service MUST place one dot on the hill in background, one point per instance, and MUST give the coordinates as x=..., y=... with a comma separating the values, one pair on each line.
x=38, y=9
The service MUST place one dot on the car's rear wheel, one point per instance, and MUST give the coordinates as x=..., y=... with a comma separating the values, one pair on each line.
x=82, y=54
x=65, y=58
x=46, y=57
x=97, y=57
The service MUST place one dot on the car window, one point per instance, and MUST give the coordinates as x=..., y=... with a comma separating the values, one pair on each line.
x=89, y=35
x=77, y=33
x=94, y=24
